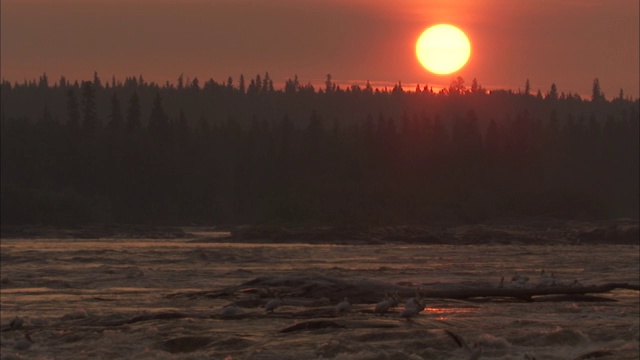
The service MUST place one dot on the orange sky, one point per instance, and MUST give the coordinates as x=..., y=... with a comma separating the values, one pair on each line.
x=569, y=42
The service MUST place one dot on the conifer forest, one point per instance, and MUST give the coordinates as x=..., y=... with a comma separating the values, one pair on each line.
x=243, y=151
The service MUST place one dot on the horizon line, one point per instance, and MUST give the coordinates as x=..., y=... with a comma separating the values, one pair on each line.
x=317, y=83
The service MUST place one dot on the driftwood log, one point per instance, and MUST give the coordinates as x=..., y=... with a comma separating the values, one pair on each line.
x=526, y=294
x=321, y=290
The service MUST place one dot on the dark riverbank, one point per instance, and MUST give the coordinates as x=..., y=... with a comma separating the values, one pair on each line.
x=532, y=231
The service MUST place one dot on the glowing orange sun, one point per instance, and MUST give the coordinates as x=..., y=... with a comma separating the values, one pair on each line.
x=443, y=49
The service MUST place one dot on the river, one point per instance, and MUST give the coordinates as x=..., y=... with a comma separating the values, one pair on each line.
x=79, y=298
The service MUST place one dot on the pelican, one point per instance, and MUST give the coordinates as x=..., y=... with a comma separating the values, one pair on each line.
x=474, y=353
x=519, y=281
x=274, y=303
x=16, y=323
x=230, y=310
x=390, y=301
x=411, y=309
x=396, y=299
x=383, y=306
x=343, y=306
x=415, y=301
x=546, y=280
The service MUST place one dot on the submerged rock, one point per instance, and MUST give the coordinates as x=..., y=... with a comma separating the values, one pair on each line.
x=185, y=344
x=312, y=325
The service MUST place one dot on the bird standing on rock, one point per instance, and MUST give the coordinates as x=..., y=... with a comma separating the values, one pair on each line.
x=518, y=281
x=411, y=309
x=230, y=309
x=390, y=301
x=274, y=304
x=546, y=280
x=16, y=323
x=415, y=301
x=343, y=306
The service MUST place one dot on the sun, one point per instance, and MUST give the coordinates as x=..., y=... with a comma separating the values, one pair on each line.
x=443, y=49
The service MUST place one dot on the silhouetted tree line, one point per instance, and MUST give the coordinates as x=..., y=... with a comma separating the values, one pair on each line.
x=222, y=153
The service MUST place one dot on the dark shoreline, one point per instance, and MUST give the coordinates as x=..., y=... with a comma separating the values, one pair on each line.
x=508, y=231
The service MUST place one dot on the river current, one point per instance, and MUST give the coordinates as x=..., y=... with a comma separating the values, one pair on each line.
x=96, y=299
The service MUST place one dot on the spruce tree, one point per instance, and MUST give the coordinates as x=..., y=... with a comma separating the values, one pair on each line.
x=73, y=114
x=90, y=117
x=116, y=119
x=133, y=113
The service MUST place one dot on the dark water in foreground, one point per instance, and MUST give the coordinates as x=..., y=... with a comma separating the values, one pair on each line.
x=76, y=297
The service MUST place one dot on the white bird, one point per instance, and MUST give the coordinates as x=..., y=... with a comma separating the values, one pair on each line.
x=16, y=323
x=395, y=299
x=415, y=301
x=390, y=301
x=343, y=306
x=230, y=310
x=411, y=309
x=474, y=353
x=274, y=303
x=519, y=281
x=546, y=280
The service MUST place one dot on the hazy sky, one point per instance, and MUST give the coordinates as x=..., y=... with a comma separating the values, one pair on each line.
x=569, y=42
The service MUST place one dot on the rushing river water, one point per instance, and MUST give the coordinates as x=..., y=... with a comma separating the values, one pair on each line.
x=78, y=299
